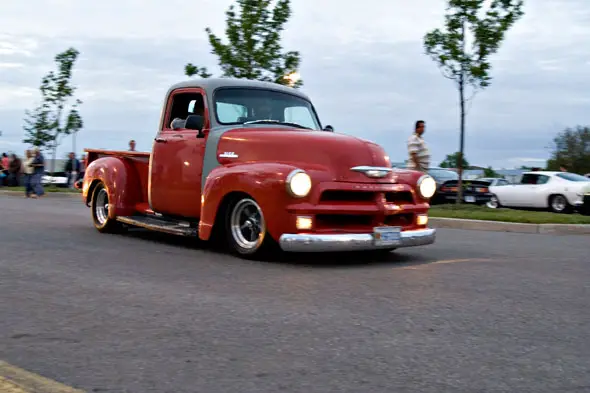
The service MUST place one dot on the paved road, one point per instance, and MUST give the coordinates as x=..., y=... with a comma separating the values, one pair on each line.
x=476, y=312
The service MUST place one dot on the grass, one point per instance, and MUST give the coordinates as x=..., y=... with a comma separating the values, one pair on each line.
x=472, y=212
x=46, y=189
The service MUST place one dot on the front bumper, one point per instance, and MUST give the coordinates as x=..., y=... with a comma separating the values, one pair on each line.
x=351, y=242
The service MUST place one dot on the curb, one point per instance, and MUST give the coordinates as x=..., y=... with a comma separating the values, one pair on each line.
x=502, y=226
x=47, y=194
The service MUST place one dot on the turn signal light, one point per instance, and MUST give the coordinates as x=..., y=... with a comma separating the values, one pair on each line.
x=422, y=220
x=304, y=223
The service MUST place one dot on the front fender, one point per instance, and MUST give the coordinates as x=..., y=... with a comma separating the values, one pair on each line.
x=121, y=180
x=265, y=182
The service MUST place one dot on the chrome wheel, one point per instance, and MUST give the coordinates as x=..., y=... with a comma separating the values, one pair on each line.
x=101, y=208
x=558, y=203
x=247, y=225
x=493, y=203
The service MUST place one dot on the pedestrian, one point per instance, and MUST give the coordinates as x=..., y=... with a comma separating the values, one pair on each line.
x=4, y=165
x=132, y=145
x=418, y=152
x=14, y=171
x=72, y=168
x=38, y=165
x=28, y=170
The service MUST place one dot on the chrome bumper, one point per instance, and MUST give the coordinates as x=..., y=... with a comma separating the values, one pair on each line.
x=351, y=242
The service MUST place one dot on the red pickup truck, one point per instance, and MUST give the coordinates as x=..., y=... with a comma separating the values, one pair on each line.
x=248, y=163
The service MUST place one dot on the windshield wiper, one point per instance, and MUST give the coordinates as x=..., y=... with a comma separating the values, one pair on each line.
x=269, y=121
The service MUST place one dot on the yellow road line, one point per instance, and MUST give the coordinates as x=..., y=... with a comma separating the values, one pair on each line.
x=447, y=261
x=17, y=380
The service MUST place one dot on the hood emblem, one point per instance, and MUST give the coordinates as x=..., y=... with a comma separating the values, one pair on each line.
x=228, y=154
x=373, y=171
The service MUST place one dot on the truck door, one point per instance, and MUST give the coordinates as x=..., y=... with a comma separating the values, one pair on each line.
x=177, y=157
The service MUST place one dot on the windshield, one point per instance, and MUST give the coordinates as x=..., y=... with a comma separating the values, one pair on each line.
x=572, y=176
x=441, y=174
x=241, y=105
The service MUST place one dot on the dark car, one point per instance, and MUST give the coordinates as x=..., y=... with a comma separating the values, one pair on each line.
x=474, y=191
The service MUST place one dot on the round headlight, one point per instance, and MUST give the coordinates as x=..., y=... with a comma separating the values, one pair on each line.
x=298, y=183
x=426, y=186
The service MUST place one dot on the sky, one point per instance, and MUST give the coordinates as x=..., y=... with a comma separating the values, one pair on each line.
x=363, y=65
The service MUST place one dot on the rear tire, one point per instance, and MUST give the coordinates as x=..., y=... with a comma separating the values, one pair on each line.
x=245, y=229
x=100, y=211
x=559, y=204
x=493, y=203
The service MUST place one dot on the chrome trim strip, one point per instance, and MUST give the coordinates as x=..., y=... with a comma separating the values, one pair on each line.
x=373, y=171
x=351, y=242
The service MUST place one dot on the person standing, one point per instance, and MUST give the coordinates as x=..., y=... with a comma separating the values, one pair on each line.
x=14, y=171
x=38, y=165
x=132, y=145
x=28, y=170
x=72, y=168
x=418, y=152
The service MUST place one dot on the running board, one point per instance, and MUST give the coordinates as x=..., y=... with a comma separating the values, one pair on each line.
x=180, y=228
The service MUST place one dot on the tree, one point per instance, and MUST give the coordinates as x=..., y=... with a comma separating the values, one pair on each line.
x=463, y=47
x=571, y=149
x=53, y=119
x=452, y=161
x=254, y=47
x=489, y=172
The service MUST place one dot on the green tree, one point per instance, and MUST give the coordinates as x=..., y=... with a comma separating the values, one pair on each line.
x=452, y=161
x=253, y=50
x=54, y=118
x=571, y=149
x=489, y=172
x=462, y=49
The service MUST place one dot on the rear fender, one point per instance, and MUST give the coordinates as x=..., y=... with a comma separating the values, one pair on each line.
x=264, y=182
x=121, y=180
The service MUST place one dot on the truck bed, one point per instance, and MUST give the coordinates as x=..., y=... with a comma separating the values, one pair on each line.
x=139, y=162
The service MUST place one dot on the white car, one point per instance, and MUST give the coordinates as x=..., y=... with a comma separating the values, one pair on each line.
x=560, y=192
x=58, y=179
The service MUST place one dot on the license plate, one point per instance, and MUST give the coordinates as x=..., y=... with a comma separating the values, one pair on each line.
x=470, y=199
x=385, y=236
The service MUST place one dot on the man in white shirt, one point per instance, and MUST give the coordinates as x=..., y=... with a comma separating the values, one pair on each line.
x=419, y=155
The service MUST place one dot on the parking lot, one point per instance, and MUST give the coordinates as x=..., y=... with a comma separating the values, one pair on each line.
x=142, y=312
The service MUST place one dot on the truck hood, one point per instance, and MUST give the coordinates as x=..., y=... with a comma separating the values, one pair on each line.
x=309, y=150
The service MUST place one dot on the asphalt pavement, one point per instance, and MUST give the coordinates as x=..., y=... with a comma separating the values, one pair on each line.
x=143, y=312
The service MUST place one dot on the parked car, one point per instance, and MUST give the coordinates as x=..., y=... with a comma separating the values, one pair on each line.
x=560, y=192
x=58, y=179
x=248, y=163
x=474, y=191
x=495, y=181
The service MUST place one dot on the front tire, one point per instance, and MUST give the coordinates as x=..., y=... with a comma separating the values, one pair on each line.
x=100, y=211
x=246, y=228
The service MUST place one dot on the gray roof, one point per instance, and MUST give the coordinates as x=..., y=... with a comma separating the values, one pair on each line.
x=210, y=84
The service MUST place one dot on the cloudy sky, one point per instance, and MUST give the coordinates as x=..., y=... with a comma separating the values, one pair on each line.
x=363, y=66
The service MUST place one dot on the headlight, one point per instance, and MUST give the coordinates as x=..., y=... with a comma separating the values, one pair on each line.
x=298, y=183
x=426, y=186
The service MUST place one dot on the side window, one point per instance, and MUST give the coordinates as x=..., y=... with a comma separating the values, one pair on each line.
x=529, y=178
x=230, y=113
x=300, y=115
x=502, y=182
x=183, y=105
x=543, y=179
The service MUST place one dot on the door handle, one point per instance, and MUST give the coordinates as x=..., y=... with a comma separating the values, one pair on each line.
x=177, y=136
x=161, y=140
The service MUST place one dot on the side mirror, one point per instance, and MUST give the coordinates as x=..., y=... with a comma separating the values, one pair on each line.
x=329, y=128
x=195, y=122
